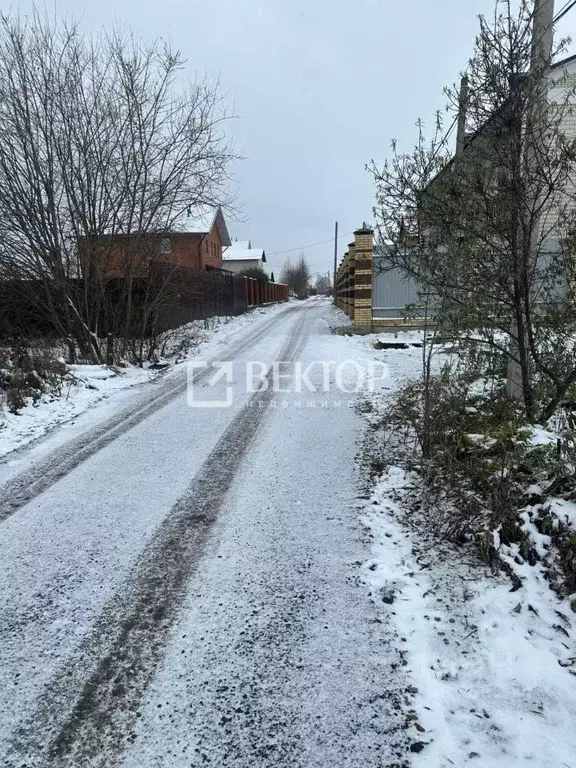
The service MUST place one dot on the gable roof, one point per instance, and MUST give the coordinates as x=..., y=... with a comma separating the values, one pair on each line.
x=238, y=252
x=563, y=62
x=200, y=221
x=499, y=113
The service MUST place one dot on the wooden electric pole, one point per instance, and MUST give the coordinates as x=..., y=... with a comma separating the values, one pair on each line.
x=335, y=258
x=540, y=58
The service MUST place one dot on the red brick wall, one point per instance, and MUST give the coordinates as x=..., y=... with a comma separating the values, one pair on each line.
x=125, y=256
x=184, y=251
x=194, y=251
x=211, y=250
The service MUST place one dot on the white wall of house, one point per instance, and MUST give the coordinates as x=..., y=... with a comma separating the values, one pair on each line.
x=562, y=92
x=239, y=265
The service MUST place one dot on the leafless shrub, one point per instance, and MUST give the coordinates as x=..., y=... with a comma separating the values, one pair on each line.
x=478, y=464
x=29, y=369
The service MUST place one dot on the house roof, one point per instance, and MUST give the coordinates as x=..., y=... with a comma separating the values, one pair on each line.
x=197, y=222
x=200, y=221
x=563, y=62
x=238, y=252
x=501, y=109
x=499, y=112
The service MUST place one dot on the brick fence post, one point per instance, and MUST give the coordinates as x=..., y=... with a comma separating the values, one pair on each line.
x=363, y=253
x=338, y=287
x=344, y=284
x=350, y=269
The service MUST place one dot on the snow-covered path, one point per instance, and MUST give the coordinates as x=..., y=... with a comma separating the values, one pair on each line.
x=186, y=594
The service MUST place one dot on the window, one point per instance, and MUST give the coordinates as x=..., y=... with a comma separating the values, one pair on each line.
x=165, y=246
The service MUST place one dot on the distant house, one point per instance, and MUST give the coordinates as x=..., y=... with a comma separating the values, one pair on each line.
x=195, y=242
x=240, y=256
x=199, y=240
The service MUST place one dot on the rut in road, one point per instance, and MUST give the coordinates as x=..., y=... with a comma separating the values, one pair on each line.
x=26, y=486
x=105, y=712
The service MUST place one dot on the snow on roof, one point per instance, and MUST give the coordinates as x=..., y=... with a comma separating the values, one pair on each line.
x=237, y=253
x=241, y=244
x=200, y=221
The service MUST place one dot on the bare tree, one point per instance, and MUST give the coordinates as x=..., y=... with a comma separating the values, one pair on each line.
x=297, y=276
x=98, y=138
x=490, y=233
x=324, y=285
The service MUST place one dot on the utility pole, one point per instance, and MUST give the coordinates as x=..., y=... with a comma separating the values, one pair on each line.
x=335, y=259
x=540, y=57
x=542, y=36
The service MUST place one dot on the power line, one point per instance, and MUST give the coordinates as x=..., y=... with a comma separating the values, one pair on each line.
x=321, y=262
x=564, y=10
x=312, y=245
x=318, y=262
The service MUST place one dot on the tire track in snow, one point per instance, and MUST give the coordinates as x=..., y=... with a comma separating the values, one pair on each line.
x=31, y=483
x=138, y=622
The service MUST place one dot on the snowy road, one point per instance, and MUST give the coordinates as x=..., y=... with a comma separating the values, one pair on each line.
x=179, y=586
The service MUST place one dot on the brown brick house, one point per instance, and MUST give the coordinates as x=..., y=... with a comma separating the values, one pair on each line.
x=195, y=243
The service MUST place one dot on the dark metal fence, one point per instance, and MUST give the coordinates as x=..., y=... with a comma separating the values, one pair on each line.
x=170, y=296
x=185, y=295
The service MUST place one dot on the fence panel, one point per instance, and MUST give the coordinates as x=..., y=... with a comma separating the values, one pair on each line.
x=169, y=297
x=393, y=290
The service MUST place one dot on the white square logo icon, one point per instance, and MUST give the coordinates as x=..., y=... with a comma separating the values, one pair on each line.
x=199, y=385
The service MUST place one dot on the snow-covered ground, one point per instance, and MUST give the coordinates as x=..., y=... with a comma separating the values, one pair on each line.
x=214, y=587
x=188, y=593
x=492, y=670
x=100, y=389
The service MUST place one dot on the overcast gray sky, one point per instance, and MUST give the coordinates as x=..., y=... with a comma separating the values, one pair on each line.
x=319, y=86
